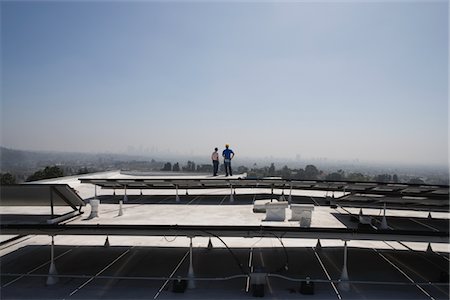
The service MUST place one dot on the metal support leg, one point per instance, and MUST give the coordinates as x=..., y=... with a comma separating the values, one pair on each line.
x=384, y=224
x=344, y=285
x=52, y=212
x=231, y=193
x=120, y=208
x=51, y=279
x=290, y=194
x=282, y=196
x=191, y=282
x=125, y=197
x=177, y=198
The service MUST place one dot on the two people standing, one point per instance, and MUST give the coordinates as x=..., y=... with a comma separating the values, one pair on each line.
x=227, y=155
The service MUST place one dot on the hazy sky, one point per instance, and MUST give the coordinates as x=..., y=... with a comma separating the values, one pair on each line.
x=343, y=80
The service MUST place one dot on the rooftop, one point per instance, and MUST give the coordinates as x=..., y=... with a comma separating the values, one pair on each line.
x=139, y=244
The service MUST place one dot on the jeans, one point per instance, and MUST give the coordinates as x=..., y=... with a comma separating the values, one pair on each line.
x=227, y=163
x=215, y=167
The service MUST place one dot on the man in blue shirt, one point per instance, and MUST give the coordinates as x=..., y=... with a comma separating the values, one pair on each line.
x=228, y=155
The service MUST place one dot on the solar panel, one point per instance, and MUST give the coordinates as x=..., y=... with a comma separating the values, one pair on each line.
x=40, y=195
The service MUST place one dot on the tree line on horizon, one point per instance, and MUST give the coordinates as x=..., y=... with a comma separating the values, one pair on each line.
x=310, y=172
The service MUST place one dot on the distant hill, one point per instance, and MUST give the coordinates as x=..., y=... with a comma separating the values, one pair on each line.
x=23, y=160
x=10, y=158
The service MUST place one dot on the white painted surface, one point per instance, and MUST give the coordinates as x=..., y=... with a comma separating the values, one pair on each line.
x=276, y=211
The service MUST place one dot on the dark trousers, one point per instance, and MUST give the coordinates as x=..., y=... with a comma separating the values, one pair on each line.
x=215, y=167
x=228, y=168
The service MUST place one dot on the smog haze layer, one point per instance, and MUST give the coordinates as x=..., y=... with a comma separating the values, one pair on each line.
x=361, y=81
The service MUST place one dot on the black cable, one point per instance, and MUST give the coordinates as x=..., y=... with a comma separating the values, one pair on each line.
x=285, y=267
x=232, y=253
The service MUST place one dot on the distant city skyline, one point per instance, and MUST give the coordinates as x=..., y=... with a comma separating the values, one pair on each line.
x=343, y=80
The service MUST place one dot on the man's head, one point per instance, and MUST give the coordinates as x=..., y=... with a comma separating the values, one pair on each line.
x=226, y=146
x=215, y=149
